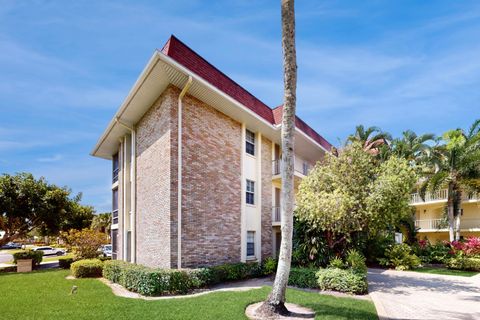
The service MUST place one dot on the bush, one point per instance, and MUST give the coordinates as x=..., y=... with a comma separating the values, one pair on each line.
x=356, y=261
x=112, y=269
x=341, y=280
x=84, y=243
x=36, y=256
x=400, y=257
x=376, y=247
x=462, y=262
x=8, y=269
x=428, y=253
x=336, y=263
x=303, y=278
x=64, y=263
x=269, y=266
x=88, y=268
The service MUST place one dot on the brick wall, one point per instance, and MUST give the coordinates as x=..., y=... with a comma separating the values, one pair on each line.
x=211, y=186
x=266, y=198
x=154, y=177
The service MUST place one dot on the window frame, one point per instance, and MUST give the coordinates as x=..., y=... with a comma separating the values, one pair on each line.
x=250, y=142
x=251, y=243
x=250, y=192
x=115, y=206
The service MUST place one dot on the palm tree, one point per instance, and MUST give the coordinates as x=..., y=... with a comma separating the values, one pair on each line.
x=275, y=303
x=102, y=222
x=371, y=138
x=455, y=165
x=415, y=149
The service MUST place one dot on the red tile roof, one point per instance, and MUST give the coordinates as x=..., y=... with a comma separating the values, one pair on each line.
x=188, y=58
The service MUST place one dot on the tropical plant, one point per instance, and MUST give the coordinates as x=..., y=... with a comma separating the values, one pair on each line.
x=275, y=303
x=416, y=149
x=372, y=138
x=455, y=165
x=102, y=223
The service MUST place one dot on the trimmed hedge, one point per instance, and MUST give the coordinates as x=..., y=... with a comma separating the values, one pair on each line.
x=153, y=282
x=303, y=278
x=88, y=268
x=65, y=263
x=36, y=256
x=342, y=280
x=464, y=263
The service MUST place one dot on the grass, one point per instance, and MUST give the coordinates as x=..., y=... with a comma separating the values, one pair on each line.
x=445, y=271
x=45, y=295
x=50, y=257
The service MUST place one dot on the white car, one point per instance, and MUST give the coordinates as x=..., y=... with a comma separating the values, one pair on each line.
x=50, y=251
x=107, y=250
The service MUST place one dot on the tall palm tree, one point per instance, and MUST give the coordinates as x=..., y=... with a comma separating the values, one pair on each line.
x=455, y=165
x=275, y=303
x=416, y=149
x=102, y=223
x=371, y=138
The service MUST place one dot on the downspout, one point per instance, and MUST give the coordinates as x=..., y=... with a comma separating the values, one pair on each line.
x=179, y=172
x=133, y=199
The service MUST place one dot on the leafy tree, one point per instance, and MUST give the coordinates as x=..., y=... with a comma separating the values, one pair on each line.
x=102, y=223
x=84, y=243
x=353, y=193
x=27, y=203
x=456, y=166
x=372, y=138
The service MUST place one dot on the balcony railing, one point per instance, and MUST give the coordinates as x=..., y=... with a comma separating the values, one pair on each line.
x=439, y=224
x=300, y=166
x=276, y=215
x=440, y=195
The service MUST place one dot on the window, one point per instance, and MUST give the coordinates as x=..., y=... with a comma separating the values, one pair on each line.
x=250, y=142
x=306, y=168
x=115, y=168
x=250, y=243
x=250, y=196
x=114, y=244
x=115, y=206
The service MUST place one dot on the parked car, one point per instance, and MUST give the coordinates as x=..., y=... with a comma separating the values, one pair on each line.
x=50, y=251
x=107, y=250
x=11, y=245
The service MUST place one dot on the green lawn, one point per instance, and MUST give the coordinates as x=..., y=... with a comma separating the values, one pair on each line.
x=55, y=258
x=445, y=271
x=45, y=295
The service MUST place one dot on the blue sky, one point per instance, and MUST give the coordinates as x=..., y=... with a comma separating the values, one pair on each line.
x=66, y=66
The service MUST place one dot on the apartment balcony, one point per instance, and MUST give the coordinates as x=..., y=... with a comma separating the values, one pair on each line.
x=435, y=225
x=440, y=196
x=301, y=168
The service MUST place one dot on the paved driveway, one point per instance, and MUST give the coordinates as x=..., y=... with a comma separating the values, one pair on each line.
x=413, y=295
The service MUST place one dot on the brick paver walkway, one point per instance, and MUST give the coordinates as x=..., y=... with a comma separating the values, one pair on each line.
x=413, y=295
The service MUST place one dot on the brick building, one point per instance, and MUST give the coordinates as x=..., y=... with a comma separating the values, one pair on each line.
x=195, y=166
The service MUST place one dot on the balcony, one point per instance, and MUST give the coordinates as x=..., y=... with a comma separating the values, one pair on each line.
x=439, y=196
x=442, y=225
x=301, y=167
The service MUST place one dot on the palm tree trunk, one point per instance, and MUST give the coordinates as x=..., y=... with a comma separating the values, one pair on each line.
x=457, y=227
x=450, y=213
x=275, y=303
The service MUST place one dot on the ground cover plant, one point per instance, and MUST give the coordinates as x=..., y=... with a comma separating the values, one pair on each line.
x=46, y=295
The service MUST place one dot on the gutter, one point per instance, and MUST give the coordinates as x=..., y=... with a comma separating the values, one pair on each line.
x=179, y=172
x=133, y=185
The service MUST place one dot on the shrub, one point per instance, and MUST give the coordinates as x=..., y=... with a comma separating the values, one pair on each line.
x=88, y=268
x=36, y=256
x=65, y=263
x=336, y=262
x=356, y=261
x=303, y=278
x=269, y=266
x=84, y=243
x=342, y=280
x=8, y=269
x=377, y=246
x=400, y=257
x=112, y=269
x=462, y=262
